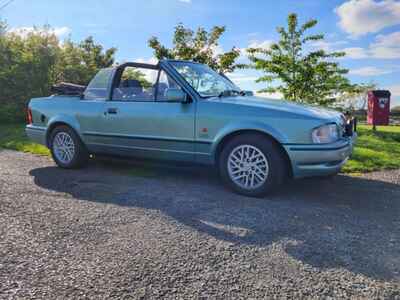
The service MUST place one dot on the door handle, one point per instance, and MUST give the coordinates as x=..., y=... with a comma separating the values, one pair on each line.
x=112, y=111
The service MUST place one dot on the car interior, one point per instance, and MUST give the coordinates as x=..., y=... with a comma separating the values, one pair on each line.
x=142, y=89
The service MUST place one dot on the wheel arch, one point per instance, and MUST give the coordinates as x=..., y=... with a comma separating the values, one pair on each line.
x=56, y=122
x=228, y=137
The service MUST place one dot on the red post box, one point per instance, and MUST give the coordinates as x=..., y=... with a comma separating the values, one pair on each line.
x=378, y=107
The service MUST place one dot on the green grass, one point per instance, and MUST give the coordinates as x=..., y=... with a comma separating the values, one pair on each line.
x=13, y=137
x=374, y=150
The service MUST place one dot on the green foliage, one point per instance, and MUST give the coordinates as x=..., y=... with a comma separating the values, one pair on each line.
x=132, y=73
x=311, y=77
x=27, y=68
x=200, y=46
x=11, y=113
x=32, y=62
x=13, y=137
x=78, y=63
x=375, y=150
x=3, y=27
x=355, y=98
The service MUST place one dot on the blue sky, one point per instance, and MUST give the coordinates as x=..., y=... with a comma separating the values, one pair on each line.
x=368, y=30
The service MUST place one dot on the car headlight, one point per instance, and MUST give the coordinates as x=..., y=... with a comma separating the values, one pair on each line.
x=325, y=134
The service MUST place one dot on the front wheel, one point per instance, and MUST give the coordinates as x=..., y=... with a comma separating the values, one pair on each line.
x=252, y=165
x=67, y=149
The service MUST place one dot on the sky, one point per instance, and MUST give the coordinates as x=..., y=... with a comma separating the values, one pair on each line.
x=367, y=30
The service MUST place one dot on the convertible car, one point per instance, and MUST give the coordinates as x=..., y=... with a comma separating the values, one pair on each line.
x=185, y=111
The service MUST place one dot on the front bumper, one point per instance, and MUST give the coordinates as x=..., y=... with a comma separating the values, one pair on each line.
x=320, y=160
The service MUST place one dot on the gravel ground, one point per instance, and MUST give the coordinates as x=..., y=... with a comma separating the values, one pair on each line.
x=119, y=230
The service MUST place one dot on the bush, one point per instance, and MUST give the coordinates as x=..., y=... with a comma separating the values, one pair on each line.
x=32, y=61
x=11, y=113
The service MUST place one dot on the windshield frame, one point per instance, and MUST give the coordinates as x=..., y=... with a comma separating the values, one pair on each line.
x=223, y=77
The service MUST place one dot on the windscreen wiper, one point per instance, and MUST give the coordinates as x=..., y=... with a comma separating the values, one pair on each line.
x=228, y=93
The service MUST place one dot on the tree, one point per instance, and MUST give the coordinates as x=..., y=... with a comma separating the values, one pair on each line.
x=78, y=63
x=201, y=47
x=355, y=98
x=302, y=76
x=28, y=63
x=33, y=60
x=132, y=73
x=3, y=28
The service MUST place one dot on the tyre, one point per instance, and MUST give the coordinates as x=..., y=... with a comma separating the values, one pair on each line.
x=67, y=149
x=252, y=165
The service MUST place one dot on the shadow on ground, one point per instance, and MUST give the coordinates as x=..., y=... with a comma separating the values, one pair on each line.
x=346, y=222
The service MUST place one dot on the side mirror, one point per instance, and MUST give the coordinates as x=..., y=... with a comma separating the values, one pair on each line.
x=248, y=93
x=176, y=95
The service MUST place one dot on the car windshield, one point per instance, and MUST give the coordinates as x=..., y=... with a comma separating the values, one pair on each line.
x=204, y=80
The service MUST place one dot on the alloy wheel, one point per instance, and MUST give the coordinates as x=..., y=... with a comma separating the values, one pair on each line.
x=248, y=167
x=64, y=147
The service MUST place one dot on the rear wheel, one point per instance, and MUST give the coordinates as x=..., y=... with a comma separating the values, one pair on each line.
x=252, y=165
x=67, y=149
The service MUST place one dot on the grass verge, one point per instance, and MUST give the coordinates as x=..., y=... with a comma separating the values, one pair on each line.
x=374, y=151
x=12, y=136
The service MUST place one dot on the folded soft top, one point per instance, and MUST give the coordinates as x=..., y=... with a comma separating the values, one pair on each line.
x=66, y=88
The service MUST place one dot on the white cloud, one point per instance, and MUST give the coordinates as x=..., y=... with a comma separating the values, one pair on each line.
x=216, y=50
x=276, y=95
x=266, y=44
x=389, y=40
x=370, y=71
x=384, y=47
x=185, y=1
x=327, y=45
x=394, y=90
x=355, y=52
x=150, y=74
x=61, y=31
x=359, y=17
x=151, y=60
x=241, y=77
x=24, y=31
x=322, y=45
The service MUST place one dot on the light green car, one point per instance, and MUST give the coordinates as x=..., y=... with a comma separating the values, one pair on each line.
x=185, y=112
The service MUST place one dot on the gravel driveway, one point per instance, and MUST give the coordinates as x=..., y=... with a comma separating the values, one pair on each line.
x=118, y=230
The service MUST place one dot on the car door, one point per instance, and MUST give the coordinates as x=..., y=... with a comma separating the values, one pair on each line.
x=139, y=120
x=89, y=109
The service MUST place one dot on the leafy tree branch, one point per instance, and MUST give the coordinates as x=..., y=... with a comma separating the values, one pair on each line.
x=313, y=77
x=199, y=46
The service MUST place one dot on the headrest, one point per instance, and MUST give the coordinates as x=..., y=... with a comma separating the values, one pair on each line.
x=132, y=83
x=162, y=86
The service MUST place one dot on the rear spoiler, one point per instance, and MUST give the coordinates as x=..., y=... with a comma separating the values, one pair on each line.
x=65, y=88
